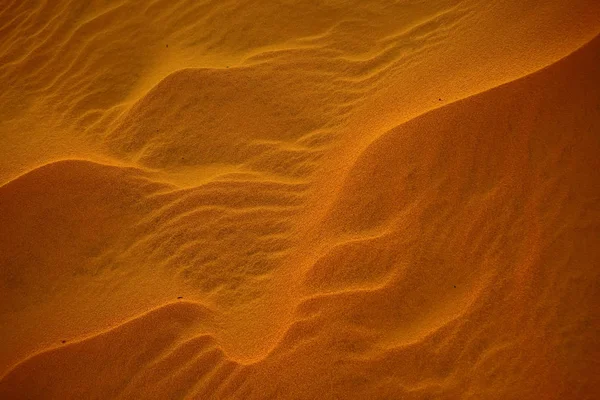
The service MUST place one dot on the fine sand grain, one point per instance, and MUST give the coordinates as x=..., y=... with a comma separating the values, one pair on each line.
x=300, y=200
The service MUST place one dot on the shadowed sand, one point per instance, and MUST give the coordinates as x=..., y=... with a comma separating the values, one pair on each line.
x=370, y=201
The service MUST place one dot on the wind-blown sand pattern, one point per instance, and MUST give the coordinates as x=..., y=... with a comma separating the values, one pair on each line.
x=299, y=200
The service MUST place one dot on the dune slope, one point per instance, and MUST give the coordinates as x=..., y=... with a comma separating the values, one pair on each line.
x=389, y=200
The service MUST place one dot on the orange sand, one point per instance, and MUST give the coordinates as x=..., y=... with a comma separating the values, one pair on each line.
x=299, y=200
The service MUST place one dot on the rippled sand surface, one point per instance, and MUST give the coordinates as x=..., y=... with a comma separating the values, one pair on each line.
x=299, y=200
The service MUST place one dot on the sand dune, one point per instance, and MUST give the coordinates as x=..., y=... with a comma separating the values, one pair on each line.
x=215, y=200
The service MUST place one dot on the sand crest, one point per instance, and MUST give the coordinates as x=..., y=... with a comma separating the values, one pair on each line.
x=287, y=200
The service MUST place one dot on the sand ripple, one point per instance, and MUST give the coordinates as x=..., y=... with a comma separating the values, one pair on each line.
x=225, y=200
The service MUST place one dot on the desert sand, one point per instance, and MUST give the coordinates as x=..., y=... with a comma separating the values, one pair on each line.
x=300, y=200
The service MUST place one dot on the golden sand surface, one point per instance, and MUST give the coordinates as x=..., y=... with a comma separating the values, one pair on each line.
x=289, y=199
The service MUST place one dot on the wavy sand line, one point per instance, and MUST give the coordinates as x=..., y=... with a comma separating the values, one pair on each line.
x=532, y=222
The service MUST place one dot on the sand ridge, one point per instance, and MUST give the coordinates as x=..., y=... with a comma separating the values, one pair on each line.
x=277, y=210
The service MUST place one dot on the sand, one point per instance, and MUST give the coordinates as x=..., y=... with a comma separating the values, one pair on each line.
x=299, y=200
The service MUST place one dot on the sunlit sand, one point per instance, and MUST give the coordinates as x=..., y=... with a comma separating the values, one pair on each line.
x=299, y=200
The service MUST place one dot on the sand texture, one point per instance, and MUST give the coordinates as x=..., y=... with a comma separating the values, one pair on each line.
x=292, y=199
